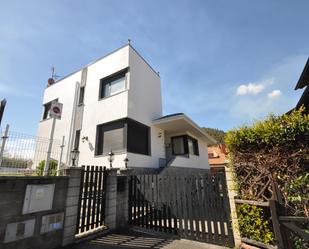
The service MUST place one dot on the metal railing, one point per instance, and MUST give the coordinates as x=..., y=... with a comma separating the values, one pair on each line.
x=21, y=153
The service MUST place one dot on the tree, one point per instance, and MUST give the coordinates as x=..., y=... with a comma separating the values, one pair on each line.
x=216, y=134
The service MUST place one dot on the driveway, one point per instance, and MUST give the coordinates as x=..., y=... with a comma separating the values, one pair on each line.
x=138, y=240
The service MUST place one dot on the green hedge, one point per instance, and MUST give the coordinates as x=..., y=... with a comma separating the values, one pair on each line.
x=277, y=147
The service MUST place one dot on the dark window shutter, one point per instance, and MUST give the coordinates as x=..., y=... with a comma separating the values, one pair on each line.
x=110, y=136
x=138, y=138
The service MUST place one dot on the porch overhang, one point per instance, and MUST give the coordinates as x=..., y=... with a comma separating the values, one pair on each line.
x=180, y=123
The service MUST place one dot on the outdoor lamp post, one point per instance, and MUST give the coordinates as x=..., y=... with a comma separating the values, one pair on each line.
x=74, y=154
x=126, y=160
x=111, y=158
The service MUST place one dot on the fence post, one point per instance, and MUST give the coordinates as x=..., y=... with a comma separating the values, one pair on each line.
x=60, y=157
x=4, y=138
x=273, y=205
x=50, y=145
x=122, y=209
x=231, y=195
x=111, y=198
x=71, y=204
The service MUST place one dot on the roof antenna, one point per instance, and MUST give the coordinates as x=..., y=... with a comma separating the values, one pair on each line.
x=129, y=41
x=53, y=77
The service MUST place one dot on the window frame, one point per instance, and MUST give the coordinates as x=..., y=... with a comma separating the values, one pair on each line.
x=81, y=96
x=116, y=124
x=111, y=78
x=99, y=144
x=186, y=139
x=47, y=113
x=77, y=139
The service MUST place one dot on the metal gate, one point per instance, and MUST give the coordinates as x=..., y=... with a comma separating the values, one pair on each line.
x=91, y=214
x=194, y=207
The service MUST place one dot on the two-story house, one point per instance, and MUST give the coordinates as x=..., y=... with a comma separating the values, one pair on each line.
x=115, y=104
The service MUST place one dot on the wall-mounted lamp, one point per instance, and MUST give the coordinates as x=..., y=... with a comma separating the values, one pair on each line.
x=111, y=157
x=159, y=134
x=74, y=155
x=126, y=160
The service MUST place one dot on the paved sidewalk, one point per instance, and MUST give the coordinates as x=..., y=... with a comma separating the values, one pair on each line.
x=137, y=240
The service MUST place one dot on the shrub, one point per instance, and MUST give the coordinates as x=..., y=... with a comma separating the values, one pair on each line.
x=276, y=148
x=254, y=224
x=273, y=149
x=52, y=167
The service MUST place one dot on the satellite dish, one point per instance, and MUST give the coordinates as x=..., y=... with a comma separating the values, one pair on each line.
x=50, y=81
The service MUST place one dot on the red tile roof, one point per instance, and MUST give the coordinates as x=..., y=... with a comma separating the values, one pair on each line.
x=217, y=154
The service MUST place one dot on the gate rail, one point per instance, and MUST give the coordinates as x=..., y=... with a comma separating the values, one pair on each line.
x=91, y=214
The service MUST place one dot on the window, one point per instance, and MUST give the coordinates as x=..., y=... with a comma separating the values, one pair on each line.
x=81, y=95
x=193, y=146
x=184, y=145
x=124, y=134
x=110, y=136
x=178, y=146
x=76, y=141
x=47, y=107
x=46, y=110
x=138, y=138
x=113, y=84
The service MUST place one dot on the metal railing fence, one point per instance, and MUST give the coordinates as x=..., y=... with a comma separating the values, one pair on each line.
x=27, y=153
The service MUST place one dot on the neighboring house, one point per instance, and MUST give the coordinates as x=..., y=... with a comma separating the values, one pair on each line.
x=114, y=104
x=217, y=155
x=304, y=82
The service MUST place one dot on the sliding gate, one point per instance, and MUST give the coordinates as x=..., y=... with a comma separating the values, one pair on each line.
x=91, y=212
x=194, y=207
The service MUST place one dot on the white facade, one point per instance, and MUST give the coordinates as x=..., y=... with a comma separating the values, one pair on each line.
x=140, y=100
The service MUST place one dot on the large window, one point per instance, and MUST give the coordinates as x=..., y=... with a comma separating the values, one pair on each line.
x=113, y=84
x=138, y=138
x=125, y=134
x=110, y=137
x=184, y=145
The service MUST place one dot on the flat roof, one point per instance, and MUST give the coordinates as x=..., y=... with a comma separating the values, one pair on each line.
x=178, y=123
x=91, y=63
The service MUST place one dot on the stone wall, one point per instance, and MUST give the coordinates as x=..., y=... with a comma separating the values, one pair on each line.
x=27, y=228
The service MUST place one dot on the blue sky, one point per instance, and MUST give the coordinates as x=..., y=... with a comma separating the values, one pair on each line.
x=223, y=63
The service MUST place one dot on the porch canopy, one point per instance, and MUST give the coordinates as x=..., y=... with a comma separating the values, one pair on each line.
x=180, y=123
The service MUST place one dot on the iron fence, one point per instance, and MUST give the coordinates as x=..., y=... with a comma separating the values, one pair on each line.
x=21, y=153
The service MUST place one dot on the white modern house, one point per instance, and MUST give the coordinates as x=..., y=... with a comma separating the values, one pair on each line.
x=115, y=104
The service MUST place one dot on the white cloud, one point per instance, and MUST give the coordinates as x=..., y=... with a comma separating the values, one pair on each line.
x=251, y=88
x=274, y=93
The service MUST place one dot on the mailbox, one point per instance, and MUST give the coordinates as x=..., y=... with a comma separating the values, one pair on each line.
x=38, y=197
x=52, y=222
x=19, y=230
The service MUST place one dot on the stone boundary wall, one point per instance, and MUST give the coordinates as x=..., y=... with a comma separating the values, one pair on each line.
x=24, y=231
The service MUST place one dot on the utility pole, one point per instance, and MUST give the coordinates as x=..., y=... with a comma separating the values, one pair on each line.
x=2, y=107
